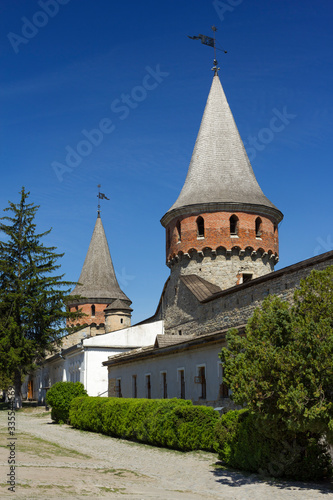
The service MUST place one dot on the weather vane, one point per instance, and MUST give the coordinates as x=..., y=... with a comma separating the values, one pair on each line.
x=100, y=196
x=211, y=42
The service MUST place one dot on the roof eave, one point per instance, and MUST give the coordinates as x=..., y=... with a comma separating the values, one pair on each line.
x=264, y=210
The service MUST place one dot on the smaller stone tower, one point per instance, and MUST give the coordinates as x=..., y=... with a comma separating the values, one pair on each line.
x=222, y=227
x=105, y=304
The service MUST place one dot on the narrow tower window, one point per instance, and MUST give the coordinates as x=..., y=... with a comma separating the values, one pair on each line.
x=93, y=309
x=234, y=224
x=200, y=227
x=258, y=227
x=179, y=231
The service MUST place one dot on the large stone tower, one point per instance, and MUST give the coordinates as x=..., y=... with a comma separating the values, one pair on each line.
x=102, y=300
x=222, y=227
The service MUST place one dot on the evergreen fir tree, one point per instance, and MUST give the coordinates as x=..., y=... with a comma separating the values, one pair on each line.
x=32, y=295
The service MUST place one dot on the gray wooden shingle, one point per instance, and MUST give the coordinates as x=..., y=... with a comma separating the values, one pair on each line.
x=220, y=175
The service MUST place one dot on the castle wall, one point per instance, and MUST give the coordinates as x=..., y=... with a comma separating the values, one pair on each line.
x=222, y=268
x=185, y=315
x=116, y=321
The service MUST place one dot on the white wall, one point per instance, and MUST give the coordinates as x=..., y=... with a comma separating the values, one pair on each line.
x=85, y=364
x=189, y=360
x=95, y=376
x=134, y=336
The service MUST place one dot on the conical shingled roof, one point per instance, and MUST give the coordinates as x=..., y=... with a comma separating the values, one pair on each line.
x=220, y=176
x=98, y=282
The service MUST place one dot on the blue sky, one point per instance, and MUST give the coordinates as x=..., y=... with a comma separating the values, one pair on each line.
x=68, y=64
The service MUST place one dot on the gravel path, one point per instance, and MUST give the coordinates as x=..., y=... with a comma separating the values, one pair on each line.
x=147, y=472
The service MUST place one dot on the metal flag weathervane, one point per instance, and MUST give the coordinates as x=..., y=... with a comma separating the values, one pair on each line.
x=211, y=42
x=100, y=196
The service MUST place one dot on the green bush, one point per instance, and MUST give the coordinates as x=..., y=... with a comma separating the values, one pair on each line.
x=250, y=442
x=171, y=423
x=60, y=396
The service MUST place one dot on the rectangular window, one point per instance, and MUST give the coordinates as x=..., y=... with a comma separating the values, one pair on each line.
x=202, y=379
x=181, y=378
x=118, y=388
x=134, y=387
x=164, y=385
x=247, y=277
x=148, y=386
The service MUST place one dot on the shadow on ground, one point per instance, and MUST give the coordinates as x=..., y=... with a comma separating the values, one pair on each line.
x=235, y=478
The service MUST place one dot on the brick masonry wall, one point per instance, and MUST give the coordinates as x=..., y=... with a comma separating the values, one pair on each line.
x=98, y=318
x=217, y=233
x=184, y=314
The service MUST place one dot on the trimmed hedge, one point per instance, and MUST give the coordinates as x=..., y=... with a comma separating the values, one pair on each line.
x=59, y=397
x=253, y=443
x=171, y=423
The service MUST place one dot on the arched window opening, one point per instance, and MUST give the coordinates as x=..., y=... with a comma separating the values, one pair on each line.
x=200, y=227
x=234, y=223
x=258, y=227
x=275, y=227
x=168, y=237
x=93, y=310
x=179, y=231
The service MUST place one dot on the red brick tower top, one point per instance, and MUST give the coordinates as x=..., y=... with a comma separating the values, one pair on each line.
x=221, y=209
x=98, y=285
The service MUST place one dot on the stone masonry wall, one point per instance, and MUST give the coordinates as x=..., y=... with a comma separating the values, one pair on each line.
x=185, y=315
x=222, y=268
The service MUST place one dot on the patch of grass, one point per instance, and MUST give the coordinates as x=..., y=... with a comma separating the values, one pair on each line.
x=112, y=490
x=35, y=411
x=45, y=449
x=121, y=472
x=52, y=486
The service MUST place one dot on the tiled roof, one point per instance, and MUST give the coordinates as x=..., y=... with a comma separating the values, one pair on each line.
x=166, y=340
x=200, y=287
x=178, y=344
x=98, y=279
x=118, y=305
x=220, y=176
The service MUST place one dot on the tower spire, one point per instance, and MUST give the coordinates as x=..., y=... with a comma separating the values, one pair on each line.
x=221, y=227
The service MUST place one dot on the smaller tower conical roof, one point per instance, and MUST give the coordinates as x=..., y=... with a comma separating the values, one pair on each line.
x=98, y=282
x=220, y=175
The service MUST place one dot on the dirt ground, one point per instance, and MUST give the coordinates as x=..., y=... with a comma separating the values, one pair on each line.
x=60, y=462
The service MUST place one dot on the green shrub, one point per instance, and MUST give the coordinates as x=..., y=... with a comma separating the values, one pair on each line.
x=250, y=442
x=171, y=423
x=60, y=396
